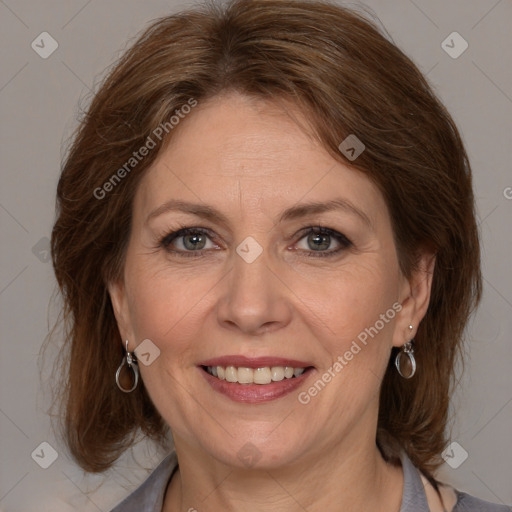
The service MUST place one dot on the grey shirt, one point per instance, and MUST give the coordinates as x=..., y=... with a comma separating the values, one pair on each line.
x=149, y=497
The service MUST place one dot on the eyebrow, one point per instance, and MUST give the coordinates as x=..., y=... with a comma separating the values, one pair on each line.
x=292, y=213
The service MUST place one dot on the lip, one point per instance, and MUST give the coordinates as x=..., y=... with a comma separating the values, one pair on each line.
x=255, y=393
x=253, y=362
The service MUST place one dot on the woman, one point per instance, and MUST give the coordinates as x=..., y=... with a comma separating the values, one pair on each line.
x=267, y=214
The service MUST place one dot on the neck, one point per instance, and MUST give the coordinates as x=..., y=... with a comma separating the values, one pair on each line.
x=340, y=479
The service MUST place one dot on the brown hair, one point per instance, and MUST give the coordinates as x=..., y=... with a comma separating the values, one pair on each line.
x=348, y=78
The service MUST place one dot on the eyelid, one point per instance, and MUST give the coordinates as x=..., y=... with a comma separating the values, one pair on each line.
x=183, y=231
x=322, y=230
x=165, y=241
x=344, y=242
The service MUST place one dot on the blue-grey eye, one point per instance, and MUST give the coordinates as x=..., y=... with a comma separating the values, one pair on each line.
x=319, y=239
x=187, y=239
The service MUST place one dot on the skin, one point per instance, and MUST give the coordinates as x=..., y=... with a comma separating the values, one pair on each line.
x=249, y=159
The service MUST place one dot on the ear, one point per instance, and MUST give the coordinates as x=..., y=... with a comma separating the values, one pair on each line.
x=120, y=304
x=414, y=298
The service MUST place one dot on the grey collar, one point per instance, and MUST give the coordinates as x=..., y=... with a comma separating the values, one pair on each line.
x=414, y=498
x=150, y=495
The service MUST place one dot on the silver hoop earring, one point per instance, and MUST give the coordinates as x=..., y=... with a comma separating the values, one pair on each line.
x=407, y=351
x=131, y=361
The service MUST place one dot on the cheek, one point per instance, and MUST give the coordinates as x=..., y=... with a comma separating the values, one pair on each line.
x=357, y=309
x=354, y=311
x=168, y=306
x=351, y=298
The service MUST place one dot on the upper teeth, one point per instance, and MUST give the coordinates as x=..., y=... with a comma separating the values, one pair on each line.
x=263, y=375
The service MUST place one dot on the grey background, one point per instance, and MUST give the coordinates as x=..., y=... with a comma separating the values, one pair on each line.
x=39, y=100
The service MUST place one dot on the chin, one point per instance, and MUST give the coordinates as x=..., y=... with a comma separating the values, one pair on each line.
x=256, y=450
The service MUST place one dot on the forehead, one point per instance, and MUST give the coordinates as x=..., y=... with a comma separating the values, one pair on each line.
x=245, y=153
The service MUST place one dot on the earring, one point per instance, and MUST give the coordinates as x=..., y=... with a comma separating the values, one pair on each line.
x=408, y=351
x=131, y=361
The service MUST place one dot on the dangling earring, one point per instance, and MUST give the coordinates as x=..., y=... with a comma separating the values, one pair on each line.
x=131, y=361
x=408, y=351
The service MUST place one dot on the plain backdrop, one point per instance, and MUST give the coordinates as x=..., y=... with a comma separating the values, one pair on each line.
x=39, y=101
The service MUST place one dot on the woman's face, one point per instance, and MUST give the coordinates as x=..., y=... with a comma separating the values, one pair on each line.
x=254, y=281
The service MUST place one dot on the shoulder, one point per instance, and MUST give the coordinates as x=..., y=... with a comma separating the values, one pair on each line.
x=420, y=495
x=149, y=496
x=467, y=503
x=453, y=500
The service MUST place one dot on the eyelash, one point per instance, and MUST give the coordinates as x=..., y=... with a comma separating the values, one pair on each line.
x=345, y=243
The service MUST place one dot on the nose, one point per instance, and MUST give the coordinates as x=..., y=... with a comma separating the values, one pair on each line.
x=254, y=298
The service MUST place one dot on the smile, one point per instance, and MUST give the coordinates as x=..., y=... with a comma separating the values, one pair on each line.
x=261, y=376
x=255, y=385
